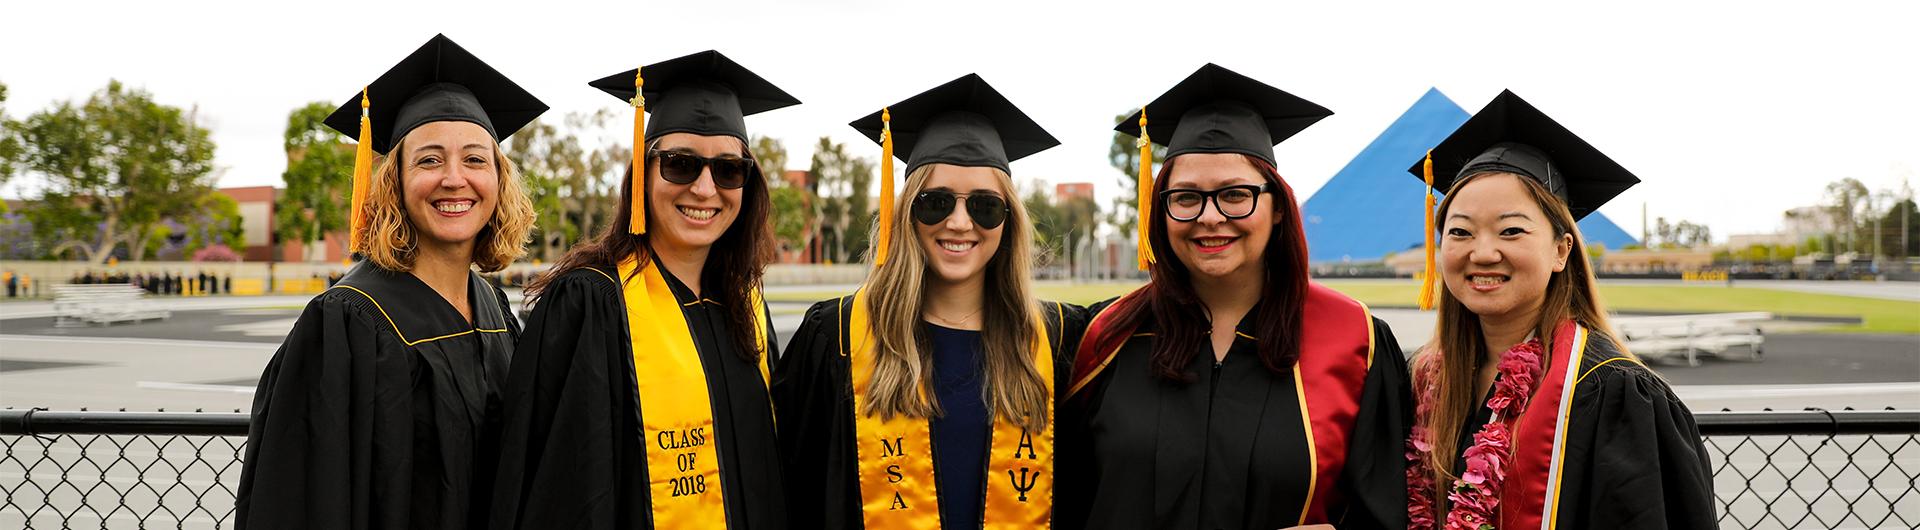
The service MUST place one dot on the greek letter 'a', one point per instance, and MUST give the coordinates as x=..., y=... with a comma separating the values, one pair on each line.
x=1026, y=442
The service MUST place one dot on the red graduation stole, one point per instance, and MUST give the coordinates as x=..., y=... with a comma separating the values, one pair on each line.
x=1529, y=498
x=1336, y=351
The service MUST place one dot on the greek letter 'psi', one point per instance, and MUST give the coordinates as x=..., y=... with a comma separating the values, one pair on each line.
x=1024, y=483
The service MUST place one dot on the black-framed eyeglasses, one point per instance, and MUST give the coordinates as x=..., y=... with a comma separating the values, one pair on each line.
x=1233, y=202
x=933, y=206
x=730, y=172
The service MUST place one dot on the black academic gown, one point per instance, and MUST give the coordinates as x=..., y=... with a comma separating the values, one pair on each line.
x=1226, y=450
x=571, y=454
x=379, y=411
x=1634, y=457
x=813, y=393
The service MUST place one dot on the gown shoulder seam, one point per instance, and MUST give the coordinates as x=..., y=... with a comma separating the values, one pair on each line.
x=396, y=325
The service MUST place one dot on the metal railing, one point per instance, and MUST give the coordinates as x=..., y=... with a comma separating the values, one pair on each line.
x=1802, y=469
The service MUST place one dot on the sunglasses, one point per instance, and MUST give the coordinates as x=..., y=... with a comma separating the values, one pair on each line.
x=933, y=206
x=729, y=171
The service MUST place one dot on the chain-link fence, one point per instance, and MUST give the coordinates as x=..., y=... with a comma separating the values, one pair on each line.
x=1808, y=469
x=1815, y=469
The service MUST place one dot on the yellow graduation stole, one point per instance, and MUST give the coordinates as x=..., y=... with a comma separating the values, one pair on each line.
x=683, y=470
x=897, y=490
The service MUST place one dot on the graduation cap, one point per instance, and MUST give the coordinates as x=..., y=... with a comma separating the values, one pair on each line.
x=1509, y=135
x=964, y=122
x=1217, y=111
x=440, y=81
x=703, y=93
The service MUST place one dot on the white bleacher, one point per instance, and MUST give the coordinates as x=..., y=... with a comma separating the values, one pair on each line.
x=1688, y=336
x=83, y=304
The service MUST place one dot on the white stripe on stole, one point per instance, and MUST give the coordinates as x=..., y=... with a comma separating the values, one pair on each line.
x=1548, y=509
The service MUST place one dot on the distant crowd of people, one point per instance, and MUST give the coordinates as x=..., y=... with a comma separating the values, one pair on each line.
x=164, y=283
x=18, y=285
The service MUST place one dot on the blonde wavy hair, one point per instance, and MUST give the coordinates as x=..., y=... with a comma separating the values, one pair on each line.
x=903, y=362
x=390, y=241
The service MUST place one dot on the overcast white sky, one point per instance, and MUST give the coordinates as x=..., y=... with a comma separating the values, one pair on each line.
x=1731, y=112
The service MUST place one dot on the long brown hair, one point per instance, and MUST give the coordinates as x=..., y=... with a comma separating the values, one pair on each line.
x=1445, y=370
x=391, y=242
x=733, y=270
x=903, y=354
x=1180, y=320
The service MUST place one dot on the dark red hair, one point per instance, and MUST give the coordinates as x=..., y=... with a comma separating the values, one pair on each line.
x=1179, y=319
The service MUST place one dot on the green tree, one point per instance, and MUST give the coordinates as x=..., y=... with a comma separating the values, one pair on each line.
x=319, y=177
x=1900, y=229
x=113, y=168
x=572, y=188
x=1124, y=156
x=772, y=157
x=792, y=205
x=1684, y=234
x=790, y=216
x=1049, y=225
x=10, y=149
x=221, y=215
x=846, y=214
x=1846, y=199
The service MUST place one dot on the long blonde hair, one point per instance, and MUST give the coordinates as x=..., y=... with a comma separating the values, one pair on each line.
x=903, y=356
x=1448, y=365
x=391, y=241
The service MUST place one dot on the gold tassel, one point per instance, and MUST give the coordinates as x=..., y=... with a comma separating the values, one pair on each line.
x=1427, y=277
x=362, y=179
x=1144, y=202
x=885, y=234
x=638, y=181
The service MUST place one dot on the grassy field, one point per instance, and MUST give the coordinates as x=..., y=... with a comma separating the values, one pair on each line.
x=1878, y=315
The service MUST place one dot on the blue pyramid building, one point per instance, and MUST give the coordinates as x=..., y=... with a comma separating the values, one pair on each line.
x=1373, y=207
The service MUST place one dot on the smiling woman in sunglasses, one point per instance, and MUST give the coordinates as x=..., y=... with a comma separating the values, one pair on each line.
x=925, y=399
x=638, y=397
x=1230, y=391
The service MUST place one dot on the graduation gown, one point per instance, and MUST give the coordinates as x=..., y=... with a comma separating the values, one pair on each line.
x=813, y=394
x=1240, y=447
x=572, y=454
x=379, y=409
x=1604, y=446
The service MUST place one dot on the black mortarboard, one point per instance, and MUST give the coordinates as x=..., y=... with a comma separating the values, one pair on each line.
x=704, y=93
x=964, y=122
x=1509, y=135
x=438, y=82
x=1216, y=110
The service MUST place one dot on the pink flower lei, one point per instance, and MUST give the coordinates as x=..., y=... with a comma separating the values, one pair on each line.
x=1475, y=495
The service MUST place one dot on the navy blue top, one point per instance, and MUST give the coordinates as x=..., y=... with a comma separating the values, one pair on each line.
x=960, y=435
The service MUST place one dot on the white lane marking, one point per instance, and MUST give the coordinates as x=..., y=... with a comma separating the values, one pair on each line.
x=1690, y=392
x=193, y=387
x=142, y=342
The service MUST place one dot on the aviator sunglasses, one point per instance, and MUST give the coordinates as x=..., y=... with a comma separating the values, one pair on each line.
x=729, y=172
x=932, y=207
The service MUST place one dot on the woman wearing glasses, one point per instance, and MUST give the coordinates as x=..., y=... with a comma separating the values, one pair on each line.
x=638, y=396
x=925, y=399
x=1231, y=392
